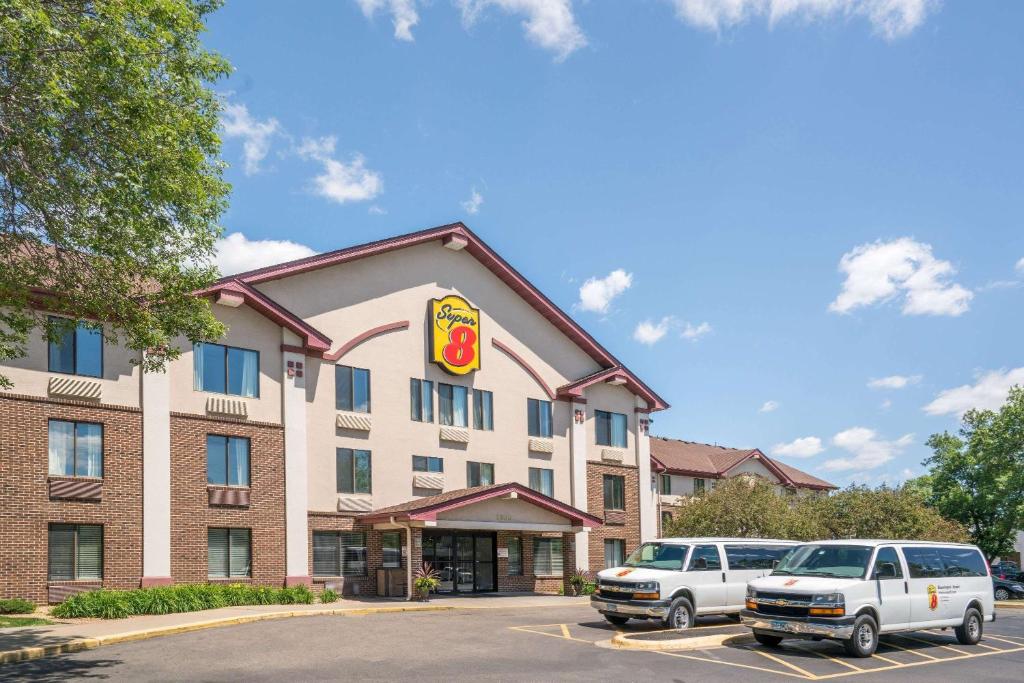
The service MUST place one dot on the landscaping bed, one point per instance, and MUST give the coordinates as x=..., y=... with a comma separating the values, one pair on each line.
x=118, y=604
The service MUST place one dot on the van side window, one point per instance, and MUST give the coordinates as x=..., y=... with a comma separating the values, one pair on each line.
x=708, y=553
x=924, y=563
x=753, y=557
x=963, y=562
x=888, y=556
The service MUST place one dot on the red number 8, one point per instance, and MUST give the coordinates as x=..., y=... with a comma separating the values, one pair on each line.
x=459, y=351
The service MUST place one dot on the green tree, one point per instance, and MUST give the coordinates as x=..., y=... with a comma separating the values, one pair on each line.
x=977, y=477
x=110, y=179
x=741, y=506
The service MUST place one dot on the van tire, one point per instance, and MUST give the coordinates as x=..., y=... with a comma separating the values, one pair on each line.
x=970, y=632
x=618, y=621
x=767, y=640
x=864, y=640
x=680, y=615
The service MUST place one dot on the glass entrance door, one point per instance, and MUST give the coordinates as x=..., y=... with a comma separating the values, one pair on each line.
x=464, y=564
x=484, y=563
x=466, y=561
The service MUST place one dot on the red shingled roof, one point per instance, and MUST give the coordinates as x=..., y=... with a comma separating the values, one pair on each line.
x=714, y=462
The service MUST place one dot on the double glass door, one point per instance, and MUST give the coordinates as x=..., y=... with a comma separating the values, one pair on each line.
x=466, y=561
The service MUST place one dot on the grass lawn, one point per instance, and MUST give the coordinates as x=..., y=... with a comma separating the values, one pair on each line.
x=7, y=622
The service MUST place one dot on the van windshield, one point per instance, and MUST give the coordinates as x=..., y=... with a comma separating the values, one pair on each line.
x=839, y=561
x=658, y=556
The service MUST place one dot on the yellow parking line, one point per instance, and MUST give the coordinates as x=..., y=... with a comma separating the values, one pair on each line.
x=886, y=659
x=920, y=663
x=932, y=643
x=1004, y=640
x=907, y=649
x=565, y=631
x=783, y=662
x=560, y=636
x=830, y=657
x=725, y=663
x=987, y=647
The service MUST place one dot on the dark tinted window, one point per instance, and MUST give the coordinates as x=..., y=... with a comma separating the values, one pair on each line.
x=753, y=556
x=924, y=563
x=708, y=553
x=888, y=556
x=962, y=562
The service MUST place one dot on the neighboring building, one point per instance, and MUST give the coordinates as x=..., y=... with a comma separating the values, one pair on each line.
x=686, y=469
x=413, y=399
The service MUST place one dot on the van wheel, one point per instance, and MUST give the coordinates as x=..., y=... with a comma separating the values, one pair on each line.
x=733, y=617
x=1002, y=594
x=767, y=640
x=680, y=615
x=618, y=621
x=969, y=632
x=864, y=640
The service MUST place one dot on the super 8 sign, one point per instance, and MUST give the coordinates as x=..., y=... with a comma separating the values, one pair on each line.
x=455, y=335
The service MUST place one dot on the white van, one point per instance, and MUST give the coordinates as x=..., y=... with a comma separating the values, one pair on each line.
x=675, y=579
x=852, y=591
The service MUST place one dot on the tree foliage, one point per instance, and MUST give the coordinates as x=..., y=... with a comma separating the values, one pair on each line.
x=110, y=179
x=748, y=507
x=977, y=477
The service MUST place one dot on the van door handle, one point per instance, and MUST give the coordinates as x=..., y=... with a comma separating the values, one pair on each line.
x=906, y=588
x=723, y=577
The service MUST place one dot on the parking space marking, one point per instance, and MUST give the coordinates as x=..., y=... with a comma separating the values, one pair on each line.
x=934, y=660
x=884, y=659
x=1004, y=639
x=719, y=661
x=910, y=650
x=562, y=635
x=987, y=647
x=777, y=660
x=841, y=662
x=565, y=631
x=932, y=643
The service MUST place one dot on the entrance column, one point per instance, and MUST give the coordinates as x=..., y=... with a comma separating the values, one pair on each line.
x=648, y=523
x=156, y=478
x=578, y=469
x=296, y=469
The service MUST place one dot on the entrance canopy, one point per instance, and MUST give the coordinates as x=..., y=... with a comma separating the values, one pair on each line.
x=511, y=507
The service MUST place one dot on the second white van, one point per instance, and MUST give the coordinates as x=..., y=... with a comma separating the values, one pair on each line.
x=675, y=579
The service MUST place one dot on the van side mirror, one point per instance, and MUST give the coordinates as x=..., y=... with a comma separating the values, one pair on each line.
x=886, y=570
x=700, y=563
x=775, y=563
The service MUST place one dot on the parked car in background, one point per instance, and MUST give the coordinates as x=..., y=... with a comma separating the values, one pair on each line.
x=1007, y=570
x=1007, y=589
x=853, y=591
x=676, y=579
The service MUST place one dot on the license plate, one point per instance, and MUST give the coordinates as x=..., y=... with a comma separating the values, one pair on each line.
x=780, y=626
x=611, y=608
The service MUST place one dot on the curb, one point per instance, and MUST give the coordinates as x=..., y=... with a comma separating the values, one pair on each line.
x=623, y=641
x=1010, y=604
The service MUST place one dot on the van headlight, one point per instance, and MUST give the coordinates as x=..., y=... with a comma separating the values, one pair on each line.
x=828, y=599
x=647, y=587
x=828, y=605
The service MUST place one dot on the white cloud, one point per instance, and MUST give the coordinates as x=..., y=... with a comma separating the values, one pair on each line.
x=886, y=404
x=890, y=19
x=1020, y=265
x=867, y=449
x=548, y=23
x=769, y=407
x=650, y=333
x=236, y=253
x=894, y=381
x=472, y=205
x=256, y=135
x=882, y=271
x=695, y=332
x=988, y=393
x=403, y=14
x=375, y=210
x=804, y=447
x=597, y=294
x=340, y=182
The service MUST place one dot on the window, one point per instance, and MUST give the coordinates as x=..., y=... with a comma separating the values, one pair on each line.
x=75, y=552
x=427, y=463
x=963, y=562
x=78, y=349
x=76, y=449
x=353, y=475
x=227, y=460
x=698, y=487
x=666, y=484
x=611, y=429
x=543, y=480
x=924, y=563
x=658, y=556
x=454, y=405
x=226, y=370
x=614, y=492
x=339, y=553
x=483, y=410
x=614, y=552
x=888, y=556
x=391, y=549
x=351, y=389
x=515, y=556
x=229, y=553
x=547, y=556
x=666, y=520
x=754, y=556
x=479, y=473
x=710, y=555
x=421, y=400
x=538, y=417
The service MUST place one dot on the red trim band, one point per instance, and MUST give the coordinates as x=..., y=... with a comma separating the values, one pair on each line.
x=369, y=334
x=525, y=366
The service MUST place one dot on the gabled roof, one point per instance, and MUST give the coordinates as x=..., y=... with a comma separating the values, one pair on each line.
x=427, y=509
x=617, y=374
x=715, y=462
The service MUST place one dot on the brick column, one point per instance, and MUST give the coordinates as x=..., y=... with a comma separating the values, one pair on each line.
x=578, y=469
x=296, y=469
x=156, y=479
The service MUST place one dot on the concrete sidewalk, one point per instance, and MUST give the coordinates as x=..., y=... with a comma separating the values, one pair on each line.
x=31, y=642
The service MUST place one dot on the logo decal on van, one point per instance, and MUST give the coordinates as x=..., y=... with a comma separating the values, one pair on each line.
x=933, y=597
x=624, y=572
x=791, y=582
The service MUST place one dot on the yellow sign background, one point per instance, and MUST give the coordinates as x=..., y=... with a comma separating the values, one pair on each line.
x=455, y=335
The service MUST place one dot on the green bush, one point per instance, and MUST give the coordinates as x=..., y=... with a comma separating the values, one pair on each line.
x=16, y=606
x=328, y=595
x=116, y=604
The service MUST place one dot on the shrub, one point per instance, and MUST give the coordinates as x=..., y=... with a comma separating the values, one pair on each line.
x=116, y=604
x=16, y=606
x=328, y=595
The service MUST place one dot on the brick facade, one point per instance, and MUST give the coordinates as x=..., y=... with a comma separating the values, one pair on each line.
x=26, y=509
x=617, y=526
x=192, y=514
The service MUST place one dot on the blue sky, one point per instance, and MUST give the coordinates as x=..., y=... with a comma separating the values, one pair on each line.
x=797, y=198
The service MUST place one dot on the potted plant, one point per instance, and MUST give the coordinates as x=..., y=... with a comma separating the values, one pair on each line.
x=578, y=581
x=425, y=579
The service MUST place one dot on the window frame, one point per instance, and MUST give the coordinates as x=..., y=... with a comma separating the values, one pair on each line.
x=482, y=411
x=549, y=542
x=340, y=564
x=352, y=452
x=620, y=488
x=397, y=550
x=515, y=565
x=230, y=533
x=542, y=473
x=621, y=552
x=878, y=556
x=74, y=448
x=441, y=386
x=534, y=405
x=602, y=416
x=665, y=484
x=352, y=370
x=227, y=381
x=699, y=490
x=74, y=552
x=426, y=408
x=227, y=460
x=428, y=459
x=469, y=473
x=79, y=325
x=923, y=549
x=693, y=558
